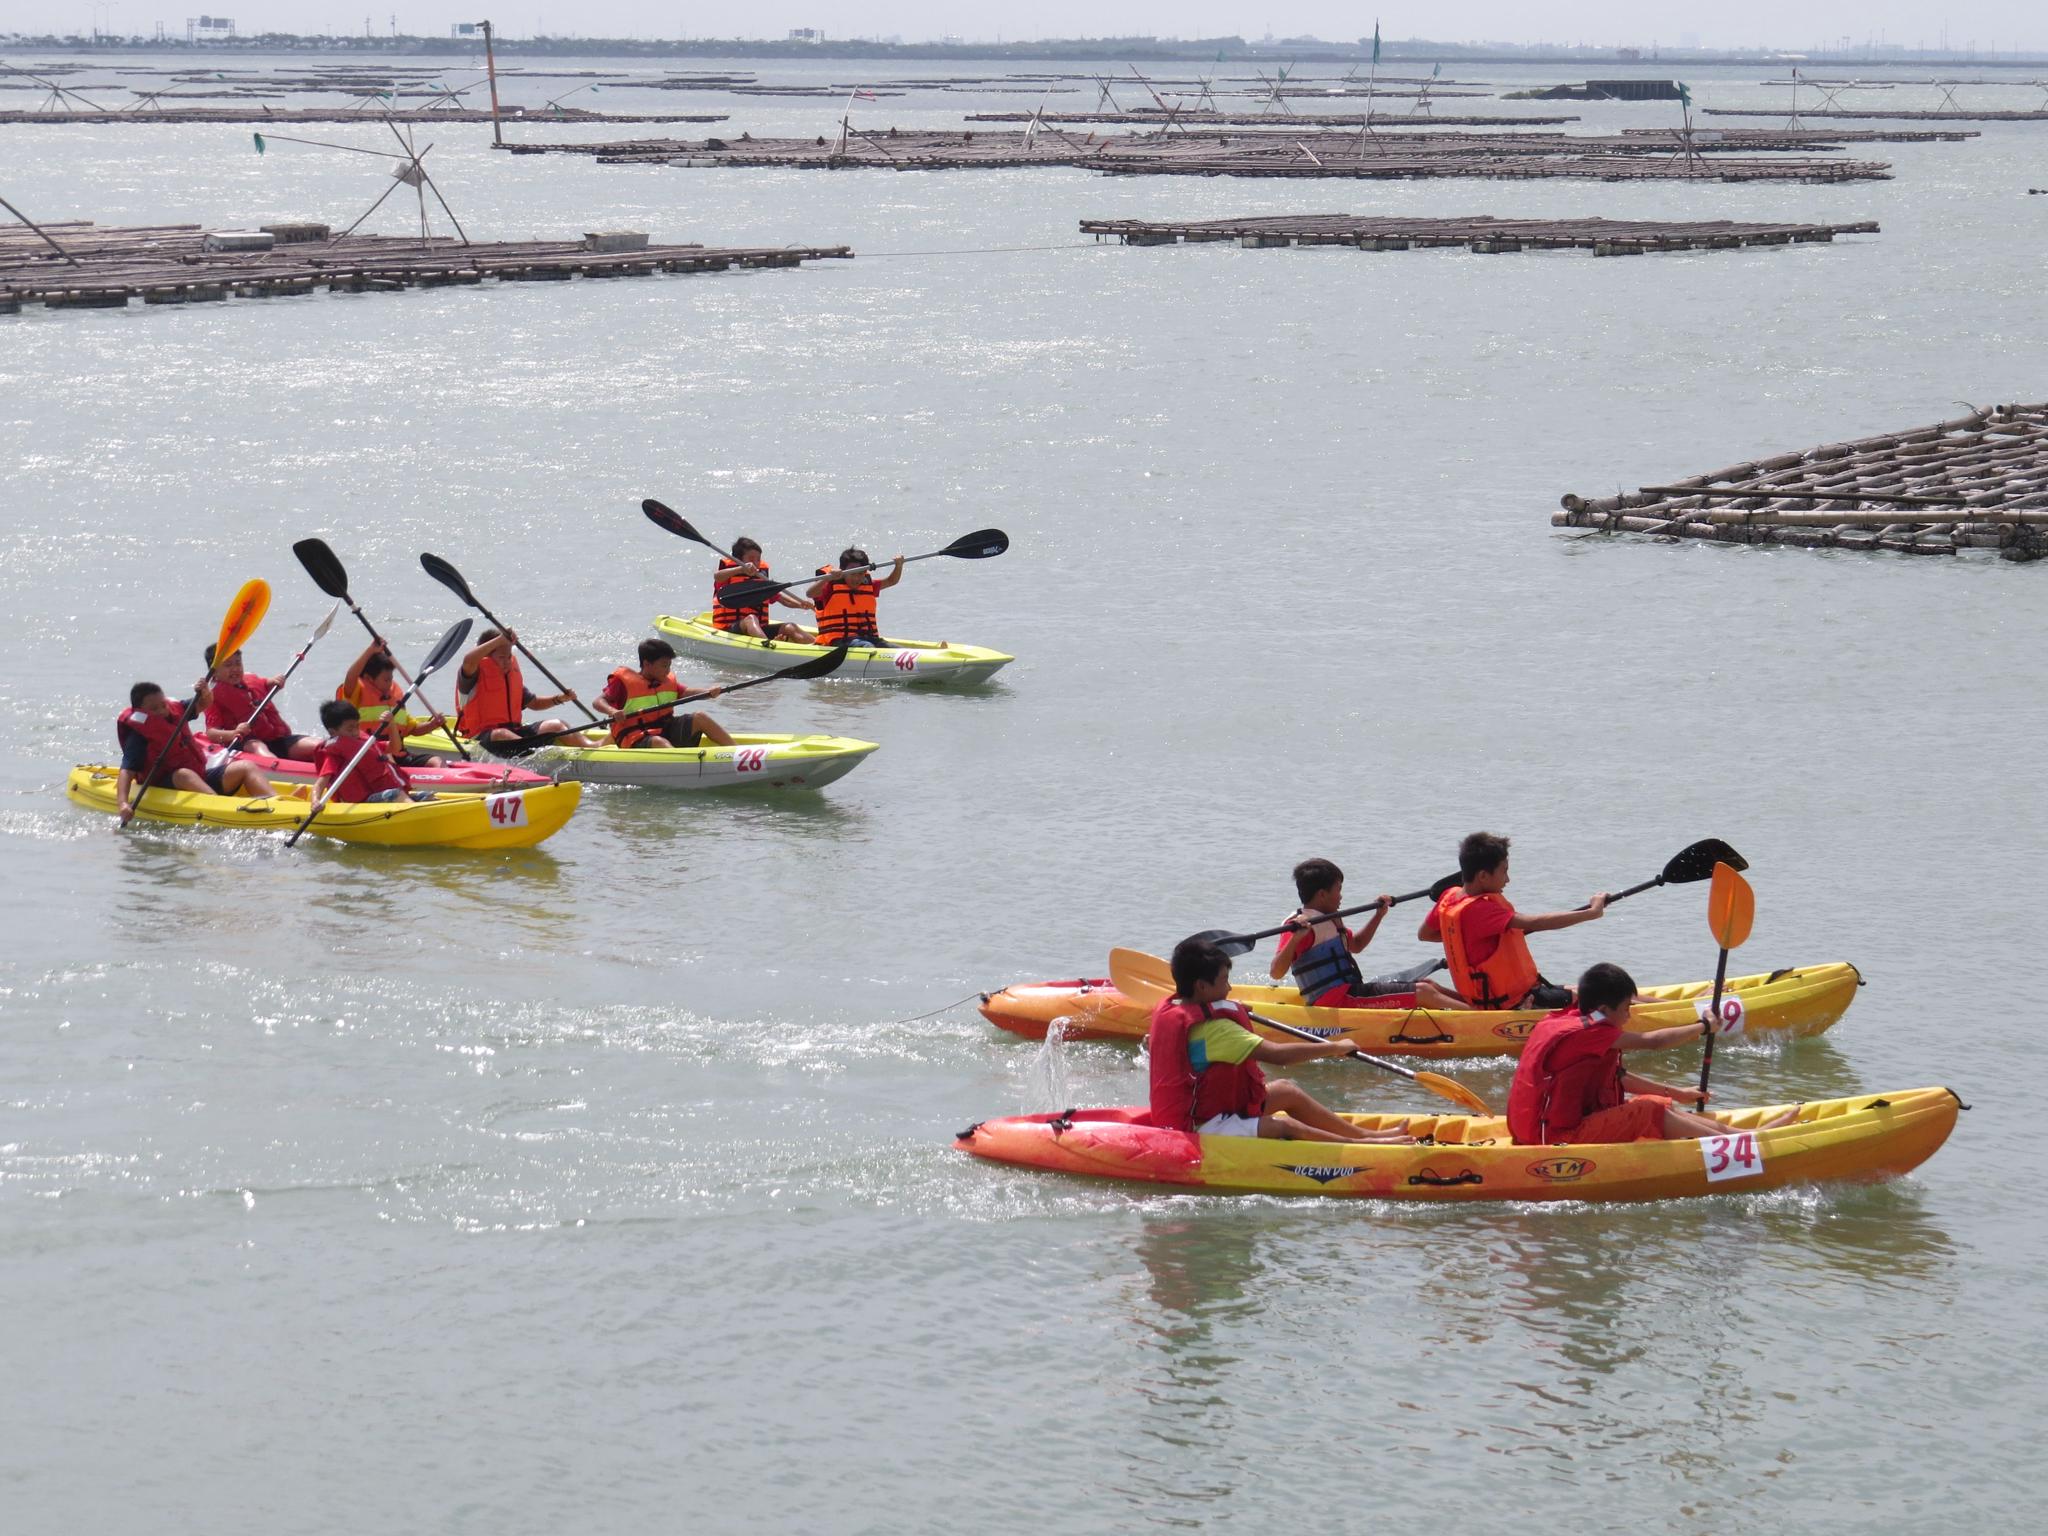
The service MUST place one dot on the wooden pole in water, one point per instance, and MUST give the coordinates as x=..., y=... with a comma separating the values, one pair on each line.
x=491, y=69
x=32, y=224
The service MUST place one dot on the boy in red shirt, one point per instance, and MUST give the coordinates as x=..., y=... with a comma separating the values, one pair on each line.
x=1482, y=935
x=376, y=779
x=232, y=706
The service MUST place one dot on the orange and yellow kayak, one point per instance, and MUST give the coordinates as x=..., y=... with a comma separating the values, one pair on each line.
x=1799, y=1000
x=1466, y=1157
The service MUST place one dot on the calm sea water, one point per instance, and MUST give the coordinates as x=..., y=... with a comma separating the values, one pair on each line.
x=608, y=1187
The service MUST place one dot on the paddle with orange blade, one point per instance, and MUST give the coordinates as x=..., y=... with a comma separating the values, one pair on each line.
x=1146, y=979
x=1731, y=909
x=237, y=626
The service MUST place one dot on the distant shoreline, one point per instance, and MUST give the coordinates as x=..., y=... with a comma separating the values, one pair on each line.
x=1208, y=51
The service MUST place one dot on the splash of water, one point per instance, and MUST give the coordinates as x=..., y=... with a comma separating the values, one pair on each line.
x=1049, y=1087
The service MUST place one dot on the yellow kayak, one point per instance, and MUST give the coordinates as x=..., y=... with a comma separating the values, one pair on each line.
x=1799, y=1000
x=751, y=762
x=1465, y=1157
x=928, y=663
x=518, y=819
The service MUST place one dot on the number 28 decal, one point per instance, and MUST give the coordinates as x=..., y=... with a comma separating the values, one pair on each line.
x=749, y=759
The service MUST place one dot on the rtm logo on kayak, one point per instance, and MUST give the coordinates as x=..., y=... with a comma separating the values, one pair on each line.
x=1515, y=1029
x=1320, y=1034
x=1562, y=1170
x=1322, y=1175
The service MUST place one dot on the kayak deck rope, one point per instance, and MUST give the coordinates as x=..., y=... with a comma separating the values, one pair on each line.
x=920, y=1018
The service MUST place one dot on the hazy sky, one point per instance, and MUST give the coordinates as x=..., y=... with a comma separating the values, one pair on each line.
x=1999, y=25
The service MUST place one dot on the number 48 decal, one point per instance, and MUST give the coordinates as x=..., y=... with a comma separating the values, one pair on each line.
x=1731, y=1157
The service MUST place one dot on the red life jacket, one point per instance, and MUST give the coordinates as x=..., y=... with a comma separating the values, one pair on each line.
x=725, y=617
x=185, y=751
x=232, y=704
x=499, y=697
x=1500, y=979
x=847, y=613
x=1183, y=1098
x=1569, y=1069
x=375, y=773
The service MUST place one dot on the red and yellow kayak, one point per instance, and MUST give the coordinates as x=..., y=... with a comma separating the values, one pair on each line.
x=1466, y=1157
x=1799, y=1000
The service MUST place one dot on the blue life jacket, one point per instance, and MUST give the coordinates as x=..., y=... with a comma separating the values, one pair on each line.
x=1326, y=965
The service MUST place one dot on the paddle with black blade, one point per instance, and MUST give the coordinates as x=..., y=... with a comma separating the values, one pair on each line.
x=331, y=577
x=677, y=524
x=531, y=739
x=1731, y=909
x=239, y=623
x=278, y=687
x=1688, y=866
x=1235, y=944
x=451, y=578
x=1146, y=979
x=983, y=544
x=444, y=649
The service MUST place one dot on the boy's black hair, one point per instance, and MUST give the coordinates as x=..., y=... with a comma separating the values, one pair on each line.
x=1194, y=961
x=140, y=692
x=486, y=636
x=1481, y=853
x=652, y=649
x=1603, y=986
x=211, y=647
x=741, y=543
x=336, y=713
x=1312, y=876
x=379, y=663
x=849, y=558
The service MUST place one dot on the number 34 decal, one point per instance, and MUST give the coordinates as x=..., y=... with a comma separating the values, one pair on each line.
x=1731, y=1157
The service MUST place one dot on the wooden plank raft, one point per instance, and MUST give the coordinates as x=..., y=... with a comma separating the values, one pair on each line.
x=1308, y=120
x=1978, y=482
x=259, y=116
x=1482, y=233
x=172, y=264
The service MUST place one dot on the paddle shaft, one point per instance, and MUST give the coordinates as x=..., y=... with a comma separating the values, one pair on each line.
x=761, y=592
x=560, y=686
x=278, y=687
x=1370, y=906
x=541, y=738
x=1713, y=1028
x=1304, y=1034
x=182, y=723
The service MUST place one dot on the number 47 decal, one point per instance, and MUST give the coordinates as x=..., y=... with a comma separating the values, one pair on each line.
x=1731, y=1157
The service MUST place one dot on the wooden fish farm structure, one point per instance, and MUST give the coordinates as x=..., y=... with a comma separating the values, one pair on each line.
x=384, y=111
x=84, y=266
x=1482, y=234
x=1950, y=115
x=1978, y=482
x=1206, y=118
x=1291, y=152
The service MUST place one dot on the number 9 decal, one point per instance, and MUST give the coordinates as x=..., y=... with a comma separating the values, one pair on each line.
x=1731, y=1017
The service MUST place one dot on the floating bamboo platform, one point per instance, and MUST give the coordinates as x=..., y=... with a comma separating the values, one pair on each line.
x=1808, y=138
x=1978, y=482
x=172, y=264
x=1240, y=153
x=1483, y=234
x=1207, y=118
x=1949, y=115
x=380, y=112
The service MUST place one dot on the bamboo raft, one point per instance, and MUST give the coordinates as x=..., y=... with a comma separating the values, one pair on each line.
x=1978, y=482
x=1152, y=116
x=279, y=116
x=1483, y=233
x=171, y=264
x=1809, y=138
x=1242, y=153
x=1946, y=115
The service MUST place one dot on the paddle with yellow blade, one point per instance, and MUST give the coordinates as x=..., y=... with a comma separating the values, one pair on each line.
x=1146, y=979
x=1731, y=908
x=237, y=626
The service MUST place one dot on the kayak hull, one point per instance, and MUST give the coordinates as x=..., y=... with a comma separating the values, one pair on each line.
x=488, y=822
x=753, y=762
x=486, y=776
x=909, y=663
x=1866, y=1138
x=1801, y=1000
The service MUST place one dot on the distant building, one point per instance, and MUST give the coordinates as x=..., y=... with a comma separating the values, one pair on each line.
x=466, y=29
x=1628, y=55
x=806, y=35
x=208, y=29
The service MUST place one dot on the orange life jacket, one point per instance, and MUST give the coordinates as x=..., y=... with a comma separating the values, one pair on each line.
x=1569, y=1069
x=374, y=702
x=1504, y=977
x=847, y=613
x=169, y=740
x=499, y=697
x=724, y=617
x=643, y=692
